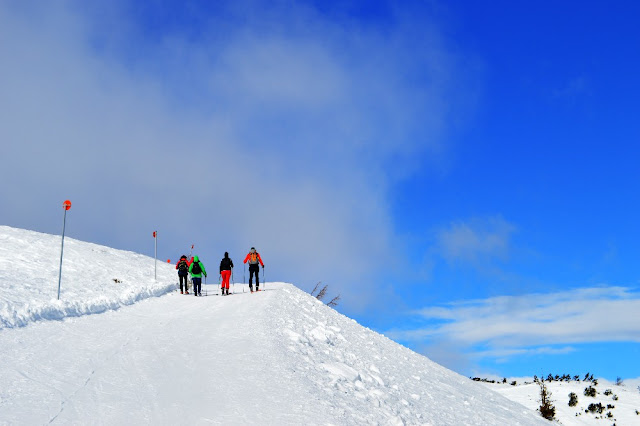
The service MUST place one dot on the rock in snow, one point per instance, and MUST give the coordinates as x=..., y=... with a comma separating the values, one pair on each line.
x=154, y=356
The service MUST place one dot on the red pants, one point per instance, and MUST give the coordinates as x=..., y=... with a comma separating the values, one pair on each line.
x=225, y=278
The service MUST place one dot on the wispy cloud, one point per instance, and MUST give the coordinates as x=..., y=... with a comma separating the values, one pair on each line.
x=476, y=240
x=531, y=323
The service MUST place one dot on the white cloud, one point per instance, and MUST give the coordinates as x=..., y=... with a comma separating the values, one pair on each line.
x=511, y=325
x=273, y=134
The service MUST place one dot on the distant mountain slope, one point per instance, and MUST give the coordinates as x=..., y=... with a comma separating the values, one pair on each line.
x=611, y=404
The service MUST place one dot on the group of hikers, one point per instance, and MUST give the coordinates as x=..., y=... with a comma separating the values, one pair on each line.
x=195, y=268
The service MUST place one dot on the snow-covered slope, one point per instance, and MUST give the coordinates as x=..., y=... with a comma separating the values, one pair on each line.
x=274, y=357
x=94, y=278
x=611, y=404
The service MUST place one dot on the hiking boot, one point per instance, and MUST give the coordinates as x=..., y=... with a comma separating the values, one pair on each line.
x=186, y=292
x=181, y=292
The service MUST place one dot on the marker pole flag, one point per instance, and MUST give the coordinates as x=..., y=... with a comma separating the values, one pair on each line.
x=66, y=206
x=155, y=256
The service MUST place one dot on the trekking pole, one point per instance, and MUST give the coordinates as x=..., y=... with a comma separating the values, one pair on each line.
x=233, y=281
x=206, y=293
x=244, y=277
x=264, y=283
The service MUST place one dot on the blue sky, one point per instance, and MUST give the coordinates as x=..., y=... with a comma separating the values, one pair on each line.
x=463, y=174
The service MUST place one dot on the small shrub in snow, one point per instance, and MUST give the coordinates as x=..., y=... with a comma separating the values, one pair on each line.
x=590, y=391
x=573, y=399
x=514, y=383
x=334, y=302
x=595, y=408
x=608, y=392
x=547, y=410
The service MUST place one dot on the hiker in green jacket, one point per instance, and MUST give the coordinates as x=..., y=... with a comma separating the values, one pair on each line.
x=196, y=269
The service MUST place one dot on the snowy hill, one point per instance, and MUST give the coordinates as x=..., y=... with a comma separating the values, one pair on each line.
x=29, y=265
x=606, y=404
x=274, y=357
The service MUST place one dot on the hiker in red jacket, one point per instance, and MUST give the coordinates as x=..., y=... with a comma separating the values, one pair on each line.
x=183, y=273
x=254, y=258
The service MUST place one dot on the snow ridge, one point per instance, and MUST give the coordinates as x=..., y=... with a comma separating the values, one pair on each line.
x=367, y=378
x=95, y=278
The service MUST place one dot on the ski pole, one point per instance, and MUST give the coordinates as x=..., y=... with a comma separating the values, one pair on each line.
x=233, y=281
x=264, y=283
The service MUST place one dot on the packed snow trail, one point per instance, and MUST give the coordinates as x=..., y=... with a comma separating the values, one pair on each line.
x=273, y=357
x=177, y=359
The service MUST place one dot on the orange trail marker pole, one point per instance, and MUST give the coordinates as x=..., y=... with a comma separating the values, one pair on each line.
x=66, y=205
x=155, y=256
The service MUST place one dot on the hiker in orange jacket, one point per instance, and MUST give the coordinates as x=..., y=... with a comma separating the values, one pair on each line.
x=254, y=259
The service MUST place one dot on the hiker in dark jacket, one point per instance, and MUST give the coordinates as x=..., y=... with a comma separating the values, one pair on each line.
x=183, y=273
x=196, y=269
x=226, y=266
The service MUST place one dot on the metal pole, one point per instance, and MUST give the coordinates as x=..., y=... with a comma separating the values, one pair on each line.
x=64, y=224
x=155, y=255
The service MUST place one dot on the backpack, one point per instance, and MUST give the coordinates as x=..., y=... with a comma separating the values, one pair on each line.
x=182, y=266
x=253, y=258
x=196, y=269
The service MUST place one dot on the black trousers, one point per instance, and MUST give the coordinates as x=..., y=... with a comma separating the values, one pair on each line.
x=254, y=269
x=184, y=278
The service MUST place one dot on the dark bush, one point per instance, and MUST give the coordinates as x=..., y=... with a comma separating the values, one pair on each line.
x=595, y=408
x=547, y=410
x=573, y=399
x=590, y=391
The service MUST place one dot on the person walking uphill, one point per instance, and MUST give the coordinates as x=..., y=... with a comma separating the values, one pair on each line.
x=254, y=258
x=197, y=271
x=226, y=266
x=183, y=273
